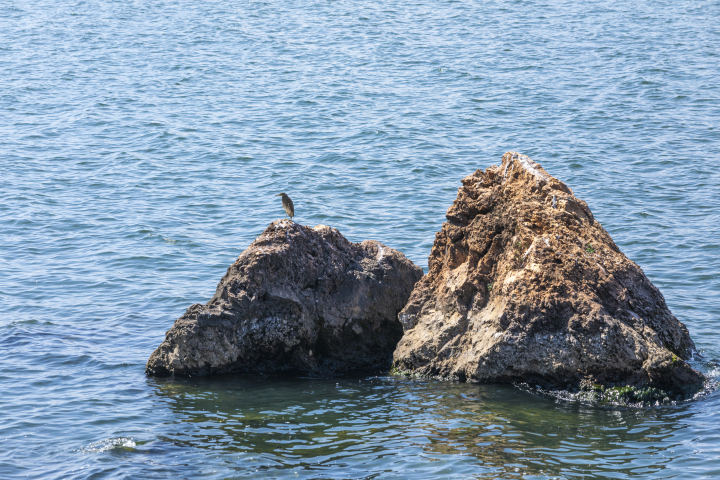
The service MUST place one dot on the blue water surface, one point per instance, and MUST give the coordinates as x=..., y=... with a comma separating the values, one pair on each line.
x=141, y=144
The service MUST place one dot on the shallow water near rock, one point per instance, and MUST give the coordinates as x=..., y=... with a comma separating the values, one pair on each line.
x=142, y=143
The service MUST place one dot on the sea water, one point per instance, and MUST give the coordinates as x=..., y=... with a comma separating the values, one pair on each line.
x=142, y=144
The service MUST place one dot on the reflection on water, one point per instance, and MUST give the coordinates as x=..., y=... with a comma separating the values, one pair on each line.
x=368, y=427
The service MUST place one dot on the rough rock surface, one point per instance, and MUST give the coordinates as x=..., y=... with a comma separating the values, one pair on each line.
x=298, y=299
x=524, y=285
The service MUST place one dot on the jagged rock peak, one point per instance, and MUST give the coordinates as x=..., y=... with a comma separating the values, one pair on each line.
x=298, y=299
x=524, y=285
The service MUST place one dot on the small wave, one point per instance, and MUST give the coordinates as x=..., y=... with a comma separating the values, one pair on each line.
x=620, y=397
x=710, y=387
x=109, y=444
x=28, y=322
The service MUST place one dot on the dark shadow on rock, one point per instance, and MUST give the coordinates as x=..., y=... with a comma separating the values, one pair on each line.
x=299, y=300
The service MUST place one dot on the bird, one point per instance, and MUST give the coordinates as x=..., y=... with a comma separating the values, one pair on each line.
x=287, y=205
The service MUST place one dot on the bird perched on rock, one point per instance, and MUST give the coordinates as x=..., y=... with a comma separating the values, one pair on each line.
x=287, y=204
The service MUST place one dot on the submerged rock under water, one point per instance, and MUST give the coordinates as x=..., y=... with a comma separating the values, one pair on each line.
x=524, y=285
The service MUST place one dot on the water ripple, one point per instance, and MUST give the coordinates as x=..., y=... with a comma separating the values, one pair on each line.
x=141, y=145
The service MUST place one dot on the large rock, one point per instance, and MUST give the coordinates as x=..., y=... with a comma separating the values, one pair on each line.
x=298, y=299
x=524, y=285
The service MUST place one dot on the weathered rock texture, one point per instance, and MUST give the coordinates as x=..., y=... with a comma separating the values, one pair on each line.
x=298, y=299
x=524, y=285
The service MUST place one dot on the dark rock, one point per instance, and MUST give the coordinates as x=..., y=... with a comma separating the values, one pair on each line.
x=524, y=285
x=298, y=299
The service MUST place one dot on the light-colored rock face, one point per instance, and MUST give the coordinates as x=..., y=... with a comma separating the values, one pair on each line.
x=298, y=299
x=524, y=285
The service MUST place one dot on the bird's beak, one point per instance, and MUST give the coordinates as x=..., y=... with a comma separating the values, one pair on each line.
x=278, y=194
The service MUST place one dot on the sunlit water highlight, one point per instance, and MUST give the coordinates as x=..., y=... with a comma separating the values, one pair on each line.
x=141, y=144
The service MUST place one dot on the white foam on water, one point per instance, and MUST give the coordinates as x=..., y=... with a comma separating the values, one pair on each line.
x=109, y=444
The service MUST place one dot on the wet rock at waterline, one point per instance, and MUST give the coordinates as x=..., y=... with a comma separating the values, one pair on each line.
x=298, y=299
x=524, y=285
